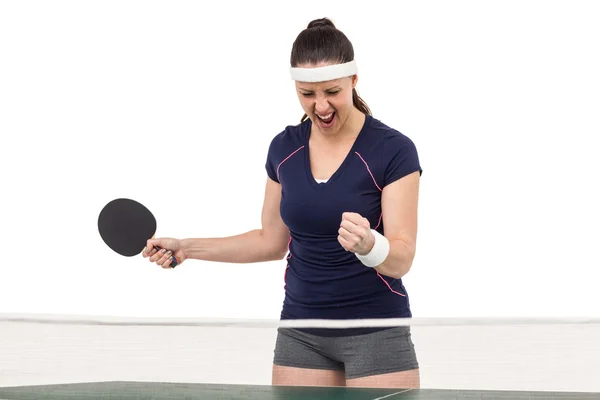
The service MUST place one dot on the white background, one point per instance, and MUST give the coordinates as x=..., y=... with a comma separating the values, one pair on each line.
x=175, y=103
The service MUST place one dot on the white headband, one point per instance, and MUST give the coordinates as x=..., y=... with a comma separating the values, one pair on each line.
x=322, y=74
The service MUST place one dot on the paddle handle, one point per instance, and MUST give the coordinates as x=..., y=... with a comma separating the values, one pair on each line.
x=174, y=262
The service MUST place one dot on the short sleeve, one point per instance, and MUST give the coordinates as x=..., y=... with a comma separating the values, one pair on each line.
x=400, y=157
x=271, y=163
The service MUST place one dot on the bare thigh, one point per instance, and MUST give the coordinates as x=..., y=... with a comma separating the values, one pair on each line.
x=402, y=380
x=292, y=376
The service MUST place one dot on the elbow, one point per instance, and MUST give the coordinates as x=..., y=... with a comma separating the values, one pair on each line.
x=396, y=272
x=278, y=253
x=398, y=264
x=273, y=247
x=396, y=275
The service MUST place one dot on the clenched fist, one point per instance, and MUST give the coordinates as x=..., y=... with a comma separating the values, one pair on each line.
x=169, y=248
x=355, y=234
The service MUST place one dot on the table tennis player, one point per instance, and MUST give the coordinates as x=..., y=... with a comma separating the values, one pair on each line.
x=341, y=206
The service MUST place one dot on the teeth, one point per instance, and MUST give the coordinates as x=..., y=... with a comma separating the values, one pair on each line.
x=325, y=116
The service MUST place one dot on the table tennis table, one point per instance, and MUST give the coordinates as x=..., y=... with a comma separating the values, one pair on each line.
x=163, y=391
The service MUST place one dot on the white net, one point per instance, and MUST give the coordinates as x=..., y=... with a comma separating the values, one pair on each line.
x=454, y=353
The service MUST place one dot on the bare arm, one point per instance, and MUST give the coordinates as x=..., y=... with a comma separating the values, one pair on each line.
x=399, y=204
x=264, y=244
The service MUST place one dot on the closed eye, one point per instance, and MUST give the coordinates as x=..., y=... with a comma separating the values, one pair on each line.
x=332, y=93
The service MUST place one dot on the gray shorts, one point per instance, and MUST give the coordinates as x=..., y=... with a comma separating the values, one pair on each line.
x=380, y=352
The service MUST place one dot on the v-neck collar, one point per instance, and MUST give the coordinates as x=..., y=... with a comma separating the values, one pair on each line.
x=342, y=166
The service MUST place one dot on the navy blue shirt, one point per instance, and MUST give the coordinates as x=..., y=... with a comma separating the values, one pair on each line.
x=322, y=279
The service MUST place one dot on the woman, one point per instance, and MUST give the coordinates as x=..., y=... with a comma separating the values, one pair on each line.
x=335, y=181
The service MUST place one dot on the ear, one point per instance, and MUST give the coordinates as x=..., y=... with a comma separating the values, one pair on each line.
x=354, y=81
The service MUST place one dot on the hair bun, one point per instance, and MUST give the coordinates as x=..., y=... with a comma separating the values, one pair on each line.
x=321, y=22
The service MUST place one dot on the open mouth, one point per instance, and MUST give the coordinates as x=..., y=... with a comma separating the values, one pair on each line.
x=326, y=121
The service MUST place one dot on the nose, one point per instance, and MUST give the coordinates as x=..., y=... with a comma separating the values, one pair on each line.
x=321, y=105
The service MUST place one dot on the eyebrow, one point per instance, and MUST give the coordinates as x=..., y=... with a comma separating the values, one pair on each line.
x=327, y=90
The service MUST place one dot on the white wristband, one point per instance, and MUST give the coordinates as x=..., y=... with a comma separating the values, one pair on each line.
x=379, y=252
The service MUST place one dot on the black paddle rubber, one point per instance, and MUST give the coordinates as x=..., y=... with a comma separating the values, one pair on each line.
x=125, y=225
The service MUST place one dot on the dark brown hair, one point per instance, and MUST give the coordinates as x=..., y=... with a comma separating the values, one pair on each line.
x=321, y=41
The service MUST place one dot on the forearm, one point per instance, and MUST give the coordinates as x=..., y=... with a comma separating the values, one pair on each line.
x=399, y=259
x=249, y=247
x=392, y=257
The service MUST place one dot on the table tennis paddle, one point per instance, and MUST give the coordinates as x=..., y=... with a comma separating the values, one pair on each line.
x=125, y=225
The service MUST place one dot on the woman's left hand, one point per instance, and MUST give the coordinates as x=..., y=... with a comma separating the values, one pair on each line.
x=355, y=233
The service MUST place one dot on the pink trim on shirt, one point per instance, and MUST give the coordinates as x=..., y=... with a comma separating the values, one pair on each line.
x=285, y=159
x=379, y=222
x=389, y=287
x=369, y=170
x=374, y=181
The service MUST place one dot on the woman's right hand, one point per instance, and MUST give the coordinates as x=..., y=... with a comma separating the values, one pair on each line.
x=169, y=248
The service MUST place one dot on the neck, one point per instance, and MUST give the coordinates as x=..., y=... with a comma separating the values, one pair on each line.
x=349, y=131
x=354, y=124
